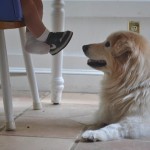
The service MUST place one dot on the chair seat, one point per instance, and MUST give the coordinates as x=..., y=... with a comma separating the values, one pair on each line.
x=11, y=24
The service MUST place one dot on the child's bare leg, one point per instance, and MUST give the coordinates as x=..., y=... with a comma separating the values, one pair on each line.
x=32, y=17
x=39, y=6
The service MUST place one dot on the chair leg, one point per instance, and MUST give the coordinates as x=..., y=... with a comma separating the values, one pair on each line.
x=57, y=81
x=6, y=86
x=30, y=72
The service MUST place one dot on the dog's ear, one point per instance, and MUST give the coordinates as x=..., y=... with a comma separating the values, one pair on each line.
x=122, y=50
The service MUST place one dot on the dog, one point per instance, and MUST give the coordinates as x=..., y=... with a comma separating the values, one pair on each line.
x=124, y=57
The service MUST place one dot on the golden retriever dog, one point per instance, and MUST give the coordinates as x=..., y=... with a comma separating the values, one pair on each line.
x=125, y=95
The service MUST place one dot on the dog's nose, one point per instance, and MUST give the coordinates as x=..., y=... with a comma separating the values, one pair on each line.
x=85, y=48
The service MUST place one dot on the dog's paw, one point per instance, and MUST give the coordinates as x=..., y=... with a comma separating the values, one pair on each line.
x=89, y=136
x=95, y=135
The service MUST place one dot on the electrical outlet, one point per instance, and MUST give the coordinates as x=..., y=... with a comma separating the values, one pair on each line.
x=134, y=26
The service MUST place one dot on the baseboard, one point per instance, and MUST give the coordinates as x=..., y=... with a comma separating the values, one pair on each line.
x=74, y=80
x=75, y=72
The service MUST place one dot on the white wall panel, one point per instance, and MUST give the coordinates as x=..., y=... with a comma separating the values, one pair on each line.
x=91, y=21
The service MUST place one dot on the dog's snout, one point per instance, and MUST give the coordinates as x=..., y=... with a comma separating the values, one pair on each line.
x=85, y=48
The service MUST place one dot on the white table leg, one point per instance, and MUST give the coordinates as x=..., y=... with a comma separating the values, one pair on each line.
x=6, y=86
x=57, y=81
x=30, y=72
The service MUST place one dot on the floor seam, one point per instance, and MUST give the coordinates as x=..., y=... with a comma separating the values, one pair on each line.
x=78, y=139
x=2, y=128
x=22, y=113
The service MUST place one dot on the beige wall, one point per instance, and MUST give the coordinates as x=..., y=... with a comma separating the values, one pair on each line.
x=90, y=23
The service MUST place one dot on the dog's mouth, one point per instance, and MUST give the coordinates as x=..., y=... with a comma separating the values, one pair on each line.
x=96, y=63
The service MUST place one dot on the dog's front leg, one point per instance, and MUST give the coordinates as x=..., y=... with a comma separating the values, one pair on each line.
x=110, y=132
x=123, y=129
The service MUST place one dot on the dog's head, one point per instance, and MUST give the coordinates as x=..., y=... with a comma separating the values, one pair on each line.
x=121, y=49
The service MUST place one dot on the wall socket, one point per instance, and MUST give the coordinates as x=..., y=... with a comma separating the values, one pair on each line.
x=134, y=26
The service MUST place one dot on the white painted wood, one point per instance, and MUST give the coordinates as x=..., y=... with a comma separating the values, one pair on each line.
x=57, y=81
x=6, y=86
x=30, y=72
x=5, y=80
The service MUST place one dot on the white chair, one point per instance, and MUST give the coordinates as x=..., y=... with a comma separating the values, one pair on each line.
x=5, y=76
x=57, y=82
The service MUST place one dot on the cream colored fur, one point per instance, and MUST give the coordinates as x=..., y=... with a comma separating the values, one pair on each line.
x=125, y=94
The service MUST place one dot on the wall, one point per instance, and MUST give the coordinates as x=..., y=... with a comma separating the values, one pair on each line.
x=91, y=21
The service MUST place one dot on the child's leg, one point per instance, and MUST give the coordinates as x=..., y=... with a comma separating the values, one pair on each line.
x=32, y=10
x=32, y=44
x=39, y=6
x=32, y=17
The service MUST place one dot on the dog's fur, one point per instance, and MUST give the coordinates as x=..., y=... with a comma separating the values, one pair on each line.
x=125, y=95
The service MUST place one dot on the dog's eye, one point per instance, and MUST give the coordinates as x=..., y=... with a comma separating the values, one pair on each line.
x=107, y=44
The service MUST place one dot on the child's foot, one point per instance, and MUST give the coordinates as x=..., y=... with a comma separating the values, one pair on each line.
x=34, y=46
x=58, y=41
